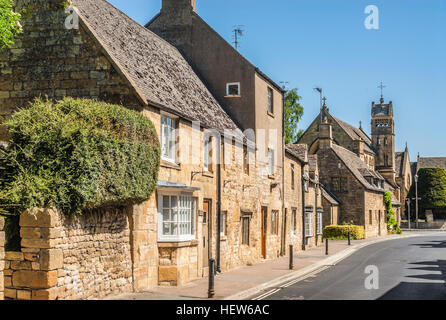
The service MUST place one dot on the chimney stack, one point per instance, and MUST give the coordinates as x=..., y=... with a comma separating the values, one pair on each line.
x=325, y=135
x=359, y=147
x=178, y=5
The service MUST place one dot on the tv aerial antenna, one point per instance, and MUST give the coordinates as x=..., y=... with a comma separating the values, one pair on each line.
x=238, y=32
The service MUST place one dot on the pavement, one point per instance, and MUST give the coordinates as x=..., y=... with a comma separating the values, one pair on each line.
x=249, y=282
x=411, y=268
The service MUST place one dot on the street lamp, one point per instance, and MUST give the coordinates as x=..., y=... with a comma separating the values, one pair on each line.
x=408, y=213
x=416, y=200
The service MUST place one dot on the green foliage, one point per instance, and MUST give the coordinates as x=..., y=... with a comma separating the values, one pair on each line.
x=431, y=189
x=77, y=154
x=340, y=232
x=293, y=114
x=9, y=23
x=392, y=224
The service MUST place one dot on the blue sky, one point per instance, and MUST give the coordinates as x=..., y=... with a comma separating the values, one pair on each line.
x=325, y=43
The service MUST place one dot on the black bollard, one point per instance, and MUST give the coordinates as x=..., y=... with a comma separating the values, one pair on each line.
x=349, y=243
x=211, y=291
x=291, y=257
x=326, y=246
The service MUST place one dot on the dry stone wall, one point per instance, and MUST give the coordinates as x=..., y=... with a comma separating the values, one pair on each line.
x=87, y=257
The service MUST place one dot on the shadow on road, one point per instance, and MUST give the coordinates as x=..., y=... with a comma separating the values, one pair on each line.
x=430, y=285
x=431, y=244
x=424, y=288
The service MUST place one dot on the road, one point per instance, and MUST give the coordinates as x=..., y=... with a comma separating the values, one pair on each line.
x=411, y=268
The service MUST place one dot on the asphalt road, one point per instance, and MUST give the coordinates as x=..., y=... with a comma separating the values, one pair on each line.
x=411, y=268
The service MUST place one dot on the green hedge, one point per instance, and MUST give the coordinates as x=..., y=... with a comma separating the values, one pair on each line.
x=336, y=232
x=77, y=154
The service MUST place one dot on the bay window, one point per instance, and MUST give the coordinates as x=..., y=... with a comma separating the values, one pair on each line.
x=176, y=217
x=309, y=224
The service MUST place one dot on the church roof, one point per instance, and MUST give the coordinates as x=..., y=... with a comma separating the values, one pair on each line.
x=431, y=162
x=399, y=158
x=157, y=69
x=358, y=168
x=356, y=133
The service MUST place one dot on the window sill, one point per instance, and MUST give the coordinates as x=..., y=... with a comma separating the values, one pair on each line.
x=223, y=238
x=173, y=244
x=271, y=114
x=233, y=96
x=208, y=174
x=170, y=165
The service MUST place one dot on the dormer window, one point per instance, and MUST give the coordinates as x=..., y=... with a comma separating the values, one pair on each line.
x=233, y=89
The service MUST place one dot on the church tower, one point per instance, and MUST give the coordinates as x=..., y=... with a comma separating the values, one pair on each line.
x=383, y=139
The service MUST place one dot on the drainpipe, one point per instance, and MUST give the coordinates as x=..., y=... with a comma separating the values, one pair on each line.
x=315, y=210
x=218, y=269
x=283, y=172
x=303, y=207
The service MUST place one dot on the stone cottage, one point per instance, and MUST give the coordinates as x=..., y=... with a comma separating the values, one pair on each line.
x=221, y=189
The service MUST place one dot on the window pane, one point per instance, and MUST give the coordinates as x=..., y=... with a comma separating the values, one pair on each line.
x=166, y=215
x=166, y=228
x=166, y=202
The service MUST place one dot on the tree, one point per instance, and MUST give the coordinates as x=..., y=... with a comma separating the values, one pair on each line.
x=293, y=114
x=9, y=23
x=431, y=190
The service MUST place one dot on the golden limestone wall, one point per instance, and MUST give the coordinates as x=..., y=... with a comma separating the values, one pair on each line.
x=2, y=256
x=375, y=215
x=293, y=203
x=87, y=257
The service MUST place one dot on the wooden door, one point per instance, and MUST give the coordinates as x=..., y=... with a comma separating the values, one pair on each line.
x=264, y=229
x=207, y=232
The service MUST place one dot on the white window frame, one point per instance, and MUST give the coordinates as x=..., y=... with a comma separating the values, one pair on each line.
x=319, y=218
x=185, y=217
x=270, y=100
x=233, y=84
x=207, y=157
x=309, y=224
x=271, y=161
x=293, y=220
x=170, y=141
x=223, y=219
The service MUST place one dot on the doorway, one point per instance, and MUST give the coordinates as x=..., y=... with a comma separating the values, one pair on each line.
x=264, y=230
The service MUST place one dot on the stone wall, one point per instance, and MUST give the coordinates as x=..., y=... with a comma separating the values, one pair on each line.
x=86, y=257
x=49, y=60
x=374, y=204
x=2, y=256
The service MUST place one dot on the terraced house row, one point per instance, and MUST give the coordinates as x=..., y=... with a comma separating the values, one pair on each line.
x=229, y=188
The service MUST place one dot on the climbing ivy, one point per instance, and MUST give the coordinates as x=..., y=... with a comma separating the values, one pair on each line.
x=392, y=224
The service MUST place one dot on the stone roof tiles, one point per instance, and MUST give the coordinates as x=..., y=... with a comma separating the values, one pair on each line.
x=159, y=71
x=357, y=167
x=356, y=133
x=298, y=150
x=431, y=162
